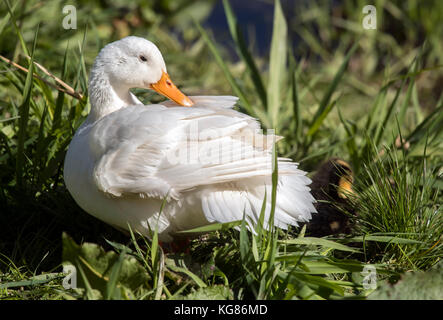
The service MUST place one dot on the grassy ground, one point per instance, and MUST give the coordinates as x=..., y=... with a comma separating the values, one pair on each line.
x=370, y=97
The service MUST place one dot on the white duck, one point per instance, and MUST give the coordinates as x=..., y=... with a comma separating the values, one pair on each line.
x=206, y=159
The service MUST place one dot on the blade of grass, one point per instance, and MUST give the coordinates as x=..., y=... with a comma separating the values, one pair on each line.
x=237, y=90
x=17, y=29
x=329, y=267
x=155, y=252
x=320, y=118
x=277, y=63
x=192, y=275
x=261, y=219
x=381, y=238
x=324, y=103
x=33, y=281
x=24, y=116
x=115, y=273
x=139, y=251
x=432, y=123
x=407, y=99
x=351, y=143
x=295, y=97
x=244, y=53
x=319, y=242
x=5, y=20
x=213, y=227
x=381, y=128
x=89, y=291
x=60, y=98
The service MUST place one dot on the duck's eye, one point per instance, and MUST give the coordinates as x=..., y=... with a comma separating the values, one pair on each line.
x=143, y=58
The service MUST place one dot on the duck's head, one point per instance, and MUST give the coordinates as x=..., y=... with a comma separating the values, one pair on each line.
x=335, y=178
x=134, y=62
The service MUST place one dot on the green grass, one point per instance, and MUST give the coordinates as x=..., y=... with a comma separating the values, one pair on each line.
x=341, y=91
x=402, y=199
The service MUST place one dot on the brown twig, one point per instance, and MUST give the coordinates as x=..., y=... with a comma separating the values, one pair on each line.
x=65, y=88
x=58, y=80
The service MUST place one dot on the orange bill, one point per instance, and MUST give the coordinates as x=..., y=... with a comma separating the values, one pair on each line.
x=167, y=88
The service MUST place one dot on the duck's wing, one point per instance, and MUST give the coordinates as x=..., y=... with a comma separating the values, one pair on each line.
x=153, y=150
x=159, y=151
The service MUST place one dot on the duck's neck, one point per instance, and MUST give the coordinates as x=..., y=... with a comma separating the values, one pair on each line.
x=106, y=97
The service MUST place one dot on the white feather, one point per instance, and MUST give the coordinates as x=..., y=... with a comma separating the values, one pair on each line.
x=127, y=157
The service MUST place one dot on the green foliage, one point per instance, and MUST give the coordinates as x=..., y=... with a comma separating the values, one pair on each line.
x=398, y=196
x=413, y=286
x=105, y=275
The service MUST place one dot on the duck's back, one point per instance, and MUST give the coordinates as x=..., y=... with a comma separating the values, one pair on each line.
x=211, y=162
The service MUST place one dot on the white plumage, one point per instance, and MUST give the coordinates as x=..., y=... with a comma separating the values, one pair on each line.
x=210, y=161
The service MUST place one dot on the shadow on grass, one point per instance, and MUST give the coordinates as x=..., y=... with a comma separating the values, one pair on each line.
x=31, y=229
